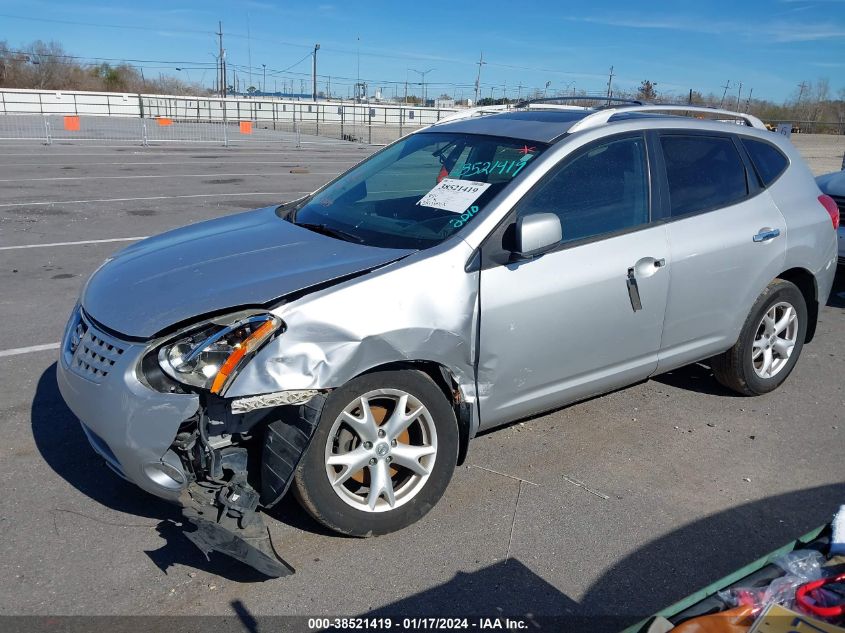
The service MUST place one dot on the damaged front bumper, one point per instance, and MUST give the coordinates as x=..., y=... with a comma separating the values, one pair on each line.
x=182, y=447
x=128, y=424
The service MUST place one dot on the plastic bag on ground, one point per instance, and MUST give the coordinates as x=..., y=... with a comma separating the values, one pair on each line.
x=803, y=563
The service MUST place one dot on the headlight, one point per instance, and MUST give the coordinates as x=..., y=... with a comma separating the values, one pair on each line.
x=210, y=357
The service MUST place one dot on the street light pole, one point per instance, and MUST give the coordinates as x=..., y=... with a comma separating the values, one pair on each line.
x=423, y=73
x=314, y=77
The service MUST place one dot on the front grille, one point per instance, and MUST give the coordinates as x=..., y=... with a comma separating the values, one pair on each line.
x=94, y=352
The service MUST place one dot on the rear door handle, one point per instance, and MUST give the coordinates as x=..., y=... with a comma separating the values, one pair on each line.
x=766, y=234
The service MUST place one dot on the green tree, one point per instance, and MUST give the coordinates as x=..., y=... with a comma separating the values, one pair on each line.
x=646, y=91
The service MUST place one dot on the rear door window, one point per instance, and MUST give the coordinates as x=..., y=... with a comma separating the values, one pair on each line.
x=703, y=173
x=768, y=159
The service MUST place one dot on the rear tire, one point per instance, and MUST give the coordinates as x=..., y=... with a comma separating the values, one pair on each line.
x=373, y=467
x=769, y=344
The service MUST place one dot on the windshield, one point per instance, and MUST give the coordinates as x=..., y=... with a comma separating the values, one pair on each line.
x=417, y=192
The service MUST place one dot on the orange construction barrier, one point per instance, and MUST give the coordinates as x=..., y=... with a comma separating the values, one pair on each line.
x=164, y=121
x=246, y=127
x=72, y=123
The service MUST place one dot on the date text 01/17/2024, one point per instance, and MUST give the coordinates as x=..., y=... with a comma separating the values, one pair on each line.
x=418, y=624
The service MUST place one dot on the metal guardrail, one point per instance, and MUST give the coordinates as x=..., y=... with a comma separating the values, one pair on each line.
x=200, y=119
x=49, y=129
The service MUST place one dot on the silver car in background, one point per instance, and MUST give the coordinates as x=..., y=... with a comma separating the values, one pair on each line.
x=351, y=343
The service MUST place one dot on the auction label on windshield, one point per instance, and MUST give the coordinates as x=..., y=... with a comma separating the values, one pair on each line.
x=453, y=195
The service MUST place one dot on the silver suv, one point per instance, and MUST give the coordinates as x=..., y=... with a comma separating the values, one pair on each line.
x=350, y=343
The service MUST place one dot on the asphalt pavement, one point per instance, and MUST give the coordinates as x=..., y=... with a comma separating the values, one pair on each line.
x=618, y=505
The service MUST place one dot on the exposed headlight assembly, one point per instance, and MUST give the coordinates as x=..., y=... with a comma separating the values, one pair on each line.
x=210, y=357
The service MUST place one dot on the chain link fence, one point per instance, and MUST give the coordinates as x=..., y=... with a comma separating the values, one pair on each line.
x=149, y=119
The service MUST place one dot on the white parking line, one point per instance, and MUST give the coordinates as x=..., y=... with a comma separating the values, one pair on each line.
x=147, y=176
x=113, y=239
x=27, y=350
x=193, y=195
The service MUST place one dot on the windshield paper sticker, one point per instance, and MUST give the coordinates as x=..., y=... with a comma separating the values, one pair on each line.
x=453, y=195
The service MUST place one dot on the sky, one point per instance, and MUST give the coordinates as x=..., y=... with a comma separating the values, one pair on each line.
x=768, y=47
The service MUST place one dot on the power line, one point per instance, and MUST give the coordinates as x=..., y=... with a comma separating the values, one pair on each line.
x=249, y=38
x=109, y=59
x=101, y=25
x=67, y=59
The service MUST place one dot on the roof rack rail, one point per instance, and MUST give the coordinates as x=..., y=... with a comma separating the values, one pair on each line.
x=604, y=115
x=608, y=100
x=527, y=103
x=471, y=112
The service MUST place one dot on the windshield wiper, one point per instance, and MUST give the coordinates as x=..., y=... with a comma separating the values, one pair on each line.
x=331, y=231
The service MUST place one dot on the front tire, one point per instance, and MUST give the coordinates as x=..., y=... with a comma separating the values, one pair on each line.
x=383, y=453
x=769, y=344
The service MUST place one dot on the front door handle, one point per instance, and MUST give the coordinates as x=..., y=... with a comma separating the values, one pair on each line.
x=766, y=234
x=633, y=290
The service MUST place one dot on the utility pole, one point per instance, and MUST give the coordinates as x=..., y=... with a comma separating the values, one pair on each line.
x=248, y=51
x=481, y=62
x=724, y=94
x=801, y=88
x=738, y=95
x=264, y=83
x=748, y=100
x=221, y=75
x=314, y=74
x=610, y=85
x=519, y=92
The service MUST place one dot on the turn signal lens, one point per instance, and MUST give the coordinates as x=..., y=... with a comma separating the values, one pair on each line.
x=250, y=344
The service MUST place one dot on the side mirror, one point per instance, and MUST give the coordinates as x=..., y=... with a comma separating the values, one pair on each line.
x=537, y=233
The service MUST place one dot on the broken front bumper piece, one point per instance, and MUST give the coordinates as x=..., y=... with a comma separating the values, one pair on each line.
x=226, y=514
x=226, y=521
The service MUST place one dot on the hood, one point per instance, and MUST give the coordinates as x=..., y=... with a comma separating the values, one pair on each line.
x=246, y=259
x=832, y=184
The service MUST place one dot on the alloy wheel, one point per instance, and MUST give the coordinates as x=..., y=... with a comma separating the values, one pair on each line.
x=774, y=340
x=381, y=450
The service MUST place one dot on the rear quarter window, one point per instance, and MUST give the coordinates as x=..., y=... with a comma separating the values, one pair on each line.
x=768, y=160
x=703, y=173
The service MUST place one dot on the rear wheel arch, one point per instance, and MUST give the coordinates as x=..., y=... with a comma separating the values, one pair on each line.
x=806, y=283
